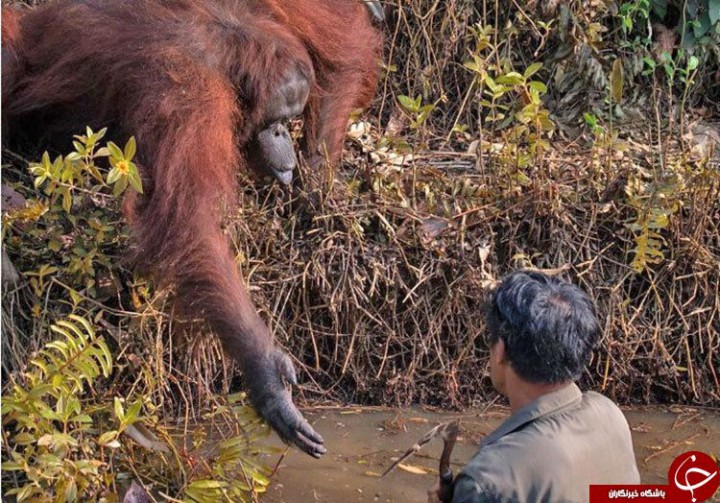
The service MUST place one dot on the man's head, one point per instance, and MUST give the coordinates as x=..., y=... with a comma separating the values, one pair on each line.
x=543, y=328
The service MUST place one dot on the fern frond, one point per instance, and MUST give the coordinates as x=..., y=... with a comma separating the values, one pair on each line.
x=75, y=360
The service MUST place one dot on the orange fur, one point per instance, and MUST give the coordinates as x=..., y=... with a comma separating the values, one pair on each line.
x=190, y=79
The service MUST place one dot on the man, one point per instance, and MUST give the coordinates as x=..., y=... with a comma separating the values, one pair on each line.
x=558, y=440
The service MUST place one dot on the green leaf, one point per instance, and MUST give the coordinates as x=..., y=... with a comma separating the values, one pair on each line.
x=23, y=438
x=39, y=181
x=100, y=134
x=407, y=103
x=472, y=65
x=72, y=327
x=79, y=148
x=113, y=176
x=590, y=119
x=510, y=79
x=57, y=166
x=703, y=25
x=130, y=148
x=95, y=173
x=693, y=62
x=107, y=437
x=120, y=186
x=67, y=199
x=115, y=150
x=532, y=70
x=85, y=323
x=134, y=179
x=71, y=491
x=107, y=362
x=133, y=412
x=208, y=484
x=26, y=492
x=119, y=412
x=714, y=11
x=659, y=7
x=538, y=86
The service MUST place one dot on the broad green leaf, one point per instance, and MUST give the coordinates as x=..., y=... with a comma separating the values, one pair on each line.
x=79, y=148
x=135, y=181
x=26, y=492
x=407, y=103
x=538, y=86
x=120, y=186
x=100, y=134
x=107, y=437
x=472, y=65
x=132, y=413
x=119, y=412
x=532, y=70
x=511, y=79
x=23, y=438
x=714, y=11
x=115, y=150
x=702, y=25
x=75, y=296
x=208, y=484
x=113, y=176
x=67, y=199
x=130, y=148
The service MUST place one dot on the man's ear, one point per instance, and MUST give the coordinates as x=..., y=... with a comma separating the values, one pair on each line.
x=500, y=354
x=497, y=352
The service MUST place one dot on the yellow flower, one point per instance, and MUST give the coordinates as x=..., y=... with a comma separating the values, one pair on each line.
x=123, y=167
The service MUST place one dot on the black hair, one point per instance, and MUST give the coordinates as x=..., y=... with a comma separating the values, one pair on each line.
x=548, y=326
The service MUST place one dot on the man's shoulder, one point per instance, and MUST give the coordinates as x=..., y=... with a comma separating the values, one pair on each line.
x=599, y=398
x=609, y=410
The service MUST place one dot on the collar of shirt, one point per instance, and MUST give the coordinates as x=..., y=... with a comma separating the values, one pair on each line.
x=546, y=404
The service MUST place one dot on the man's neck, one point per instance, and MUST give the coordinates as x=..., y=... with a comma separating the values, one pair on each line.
x=520, y=392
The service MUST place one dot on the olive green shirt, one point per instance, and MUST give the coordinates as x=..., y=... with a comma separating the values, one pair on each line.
x=551, y=450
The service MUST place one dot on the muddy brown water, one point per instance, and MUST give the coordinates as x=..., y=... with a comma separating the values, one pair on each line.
x=363, y=442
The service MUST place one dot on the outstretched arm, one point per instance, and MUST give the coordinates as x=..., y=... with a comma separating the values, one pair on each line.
x=188, y=147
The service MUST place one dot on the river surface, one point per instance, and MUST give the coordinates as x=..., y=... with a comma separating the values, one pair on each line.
x=363, y=442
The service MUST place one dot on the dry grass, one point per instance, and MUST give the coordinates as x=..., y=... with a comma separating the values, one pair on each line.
x=377, y=291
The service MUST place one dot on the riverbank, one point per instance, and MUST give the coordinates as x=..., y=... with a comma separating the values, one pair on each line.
x=363, y=442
